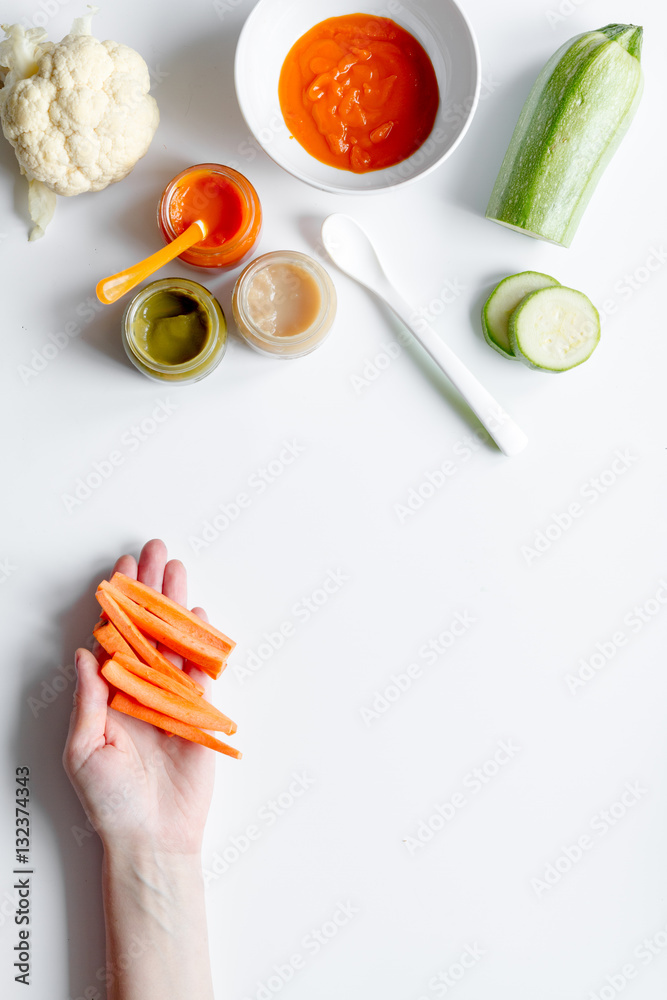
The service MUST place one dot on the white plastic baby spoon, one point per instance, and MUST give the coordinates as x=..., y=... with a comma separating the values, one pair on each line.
x=352, y=251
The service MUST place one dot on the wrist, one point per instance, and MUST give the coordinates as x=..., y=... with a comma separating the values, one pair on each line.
x=138, y=844
x=143, y=866
x=155, y=914
x=160, y=893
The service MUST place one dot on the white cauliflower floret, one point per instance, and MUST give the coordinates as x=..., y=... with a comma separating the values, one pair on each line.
x=78, y=113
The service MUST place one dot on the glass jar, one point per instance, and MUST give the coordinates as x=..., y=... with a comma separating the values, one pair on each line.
x=284, y=304
x=174, y=331
x=223, y=199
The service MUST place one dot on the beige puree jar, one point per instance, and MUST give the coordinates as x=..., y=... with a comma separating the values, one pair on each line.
x=284, y=304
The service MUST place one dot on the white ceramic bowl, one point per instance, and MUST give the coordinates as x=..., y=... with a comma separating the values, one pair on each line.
x=272, y=28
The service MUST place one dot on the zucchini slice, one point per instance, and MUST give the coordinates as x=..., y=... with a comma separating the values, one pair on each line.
x=554, y=329
x=502, y=302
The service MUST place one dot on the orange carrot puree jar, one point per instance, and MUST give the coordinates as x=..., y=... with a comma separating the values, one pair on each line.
x=225, y=201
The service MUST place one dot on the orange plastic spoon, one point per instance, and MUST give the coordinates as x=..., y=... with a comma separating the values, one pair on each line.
x=112, y=288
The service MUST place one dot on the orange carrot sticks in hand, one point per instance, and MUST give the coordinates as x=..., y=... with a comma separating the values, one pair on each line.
x=199, y=713
x=111, y=640
x=123, y=703
x=164, y=681
x=145, y=683
x=207, y=657
x=139, y=643
x=175, y=614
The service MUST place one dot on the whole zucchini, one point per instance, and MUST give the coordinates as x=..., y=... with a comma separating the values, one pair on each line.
x=572, y=123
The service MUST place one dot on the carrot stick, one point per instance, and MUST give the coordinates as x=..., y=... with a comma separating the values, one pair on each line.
x=178, y=616
x=165, y=681
x=205, y=656
x=199, y=713
x=139, y=643
x=122, y=703
x=111, y=640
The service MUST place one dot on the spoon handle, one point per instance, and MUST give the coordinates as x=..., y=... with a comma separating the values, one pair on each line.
x=112, y=288
x=509, y=438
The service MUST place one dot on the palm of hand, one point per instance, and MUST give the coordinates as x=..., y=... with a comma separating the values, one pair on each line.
x=138, y=786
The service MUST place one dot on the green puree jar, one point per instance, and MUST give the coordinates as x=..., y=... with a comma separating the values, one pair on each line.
x=174, y=331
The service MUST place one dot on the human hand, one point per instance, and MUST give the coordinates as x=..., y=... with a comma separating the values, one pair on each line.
x=141, y=789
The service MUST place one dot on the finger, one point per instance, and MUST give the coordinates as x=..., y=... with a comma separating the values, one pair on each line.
x=152, y=562
x=89, y=715
x=126, y=565
x=150, y=571
x=192, y=669
x=175, y=586
x=175, y=582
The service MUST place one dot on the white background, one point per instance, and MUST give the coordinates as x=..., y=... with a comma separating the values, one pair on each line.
x=475, y=884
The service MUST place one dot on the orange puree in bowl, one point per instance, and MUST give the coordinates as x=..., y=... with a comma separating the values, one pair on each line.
x=358, y=92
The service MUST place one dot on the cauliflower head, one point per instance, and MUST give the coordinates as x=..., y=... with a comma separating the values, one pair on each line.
x=78, y=112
